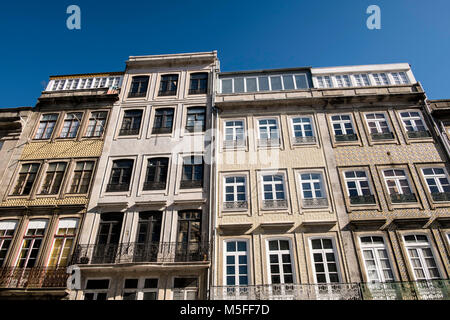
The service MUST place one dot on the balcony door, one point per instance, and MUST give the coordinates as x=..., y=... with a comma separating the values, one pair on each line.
x=108, y=238
x=148, y=235
x=188, y=245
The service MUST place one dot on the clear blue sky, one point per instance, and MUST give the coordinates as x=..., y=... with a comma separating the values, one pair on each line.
x=247, y=34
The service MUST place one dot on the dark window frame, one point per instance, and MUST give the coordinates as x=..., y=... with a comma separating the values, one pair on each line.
x=139, y=86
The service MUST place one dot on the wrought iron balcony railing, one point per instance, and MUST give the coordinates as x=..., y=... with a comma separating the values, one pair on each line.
x=401, y=198
x=133, y=252
x=364, y=199
x=417, y=290
x=441, y=196
x=269, y=142
x=346, y=137
x=419, y=134
x=382, y=136
x=301, y=140
x=230, y=205
x=129, y=132
x=115, y=187
x=274, y=204
x=329, y=291
x=234, y=143
x=315, y=202
x=188, y=184
x=154, y=185
x=43, y=277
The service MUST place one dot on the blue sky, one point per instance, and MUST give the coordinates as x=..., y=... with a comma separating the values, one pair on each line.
x=247, y=34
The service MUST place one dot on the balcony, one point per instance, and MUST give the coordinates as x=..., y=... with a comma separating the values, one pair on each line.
x=156, y=252
x=441, y=196
x=233, y=143
x=275, y=142
x=189, y=184
x=235, y=205
x=15, y=278
x=346, y=137
x=403, y=198
x=418, y=134
x=154, y=185
x=315, y=202
x=418, y=290
x=329, y=291
x=111, y=187
x=274, y=204
x=303, y=140
x=128, y=132
x=382, y=136
x=361, y=200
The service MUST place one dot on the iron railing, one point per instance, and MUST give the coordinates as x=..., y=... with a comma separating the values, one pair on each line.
x=39, y=277
x=346, y=137
x=129, y=132
x=315, y=202
x=401, y=198
x=268, y=142
x=141, y=252
x=230, y=205
x=234, y=143
x=419, y=134
x=382, y=136
x=441, y=196
x=364, y=199
x=154, y=185
x=306, y=139
x=414, y=290
x=274, y=204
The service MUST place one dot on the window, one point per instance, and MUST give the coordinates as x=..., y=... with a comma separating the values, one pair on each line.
x=254, y=83
x=236, y=263
x=140, y=289
x=343, y=128
x=234, y=133
x=25, y=181
x=156, y=176
x=168, y=85
x=361, y=80
x=235, y=193
x=96, y=289
x=63, y=242
x=31, y=245
x=268, y=132
x=71, y=125
x=303, y=130
x=376, y=260
x=195, y=119
x=324, y=82
x=414, y=124
x=400, y=78
x=281, y=270
x=325, y=265
x=273, y=191
x=46, y=126
x=199, y=83
x=53, y=178
x=438, y=183
x=421, y=257
x=108, y=238
x=185, y=289
x=381, y=79
x=148, y=236
x=138, y=87
x=343, y=81
x=131, y=123
x=163, y=122
x=7, y=228
x=96, y=124
x=398, y=186
x=82, y=177
x=120, y=175
x=192, y=176
x=378, y=126
x=189, y=247
x=358, y=188
x=312, y=188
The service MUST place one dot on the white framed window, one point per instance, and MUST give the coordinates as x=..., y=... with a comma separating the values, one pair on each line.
x=343, y=127
x=381, y=79
x=46, y=126
x=361, y=80
x=421, y=257
x=313, y=189
x=96, y=125
x=376, y=259
x=273, y=187
x=400, y=77
x=343, y=81
x=235, y=189
x=413, y=121
x=140, y=289
x=31, y=243
x=236, y=264
x=96, y=289
x=185, y=289
x=438, y=183
x=7, y=229
x=280, y=262
x=325, y=265
x=260, y=83
x=71, y=124
x=397, y=181
x=303, y=129
x=358, y=187
x=63, y=242
x=53, y=178
x=234, y=132
x=377, y=123
x=268, y=129
x=324, y=82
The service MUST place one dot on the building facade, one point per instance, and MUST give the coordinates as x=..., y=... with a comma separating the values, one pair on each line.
x=46, y=188
x=146, y=233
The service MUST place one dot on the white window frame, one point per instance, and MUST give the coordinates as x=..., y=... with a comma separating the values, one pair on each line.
x=234, y=129
x=397, y=180
x=6, y=225
x=343, y=81
x=435, y=177
x=234, y=185
x=413, y=120
x=341, y=123
x=280, y=252
x=236, y=256
x=38, y=221
x=302, y=126
x=324, y=82
x=420, y=246
x=377, y=122
x=186, y=290
x=359, y=79
x=268, y=126
x=374, y=248
x=324, y=252
x=64, y=223
x=311, y=183
x=140, y=290
x=381, y=79
x=357, y=181
x=273, y=183
x=400, y=78
x=269, y=76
